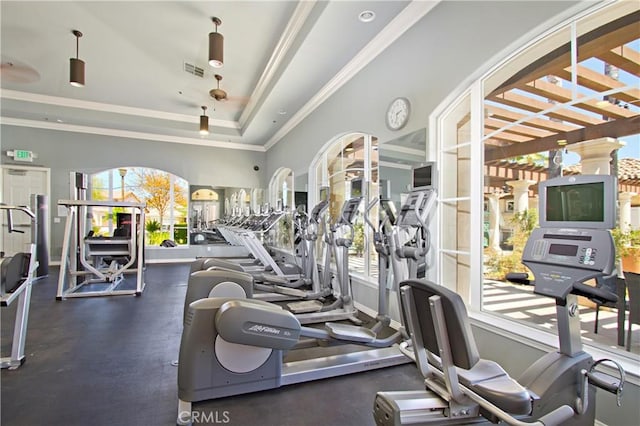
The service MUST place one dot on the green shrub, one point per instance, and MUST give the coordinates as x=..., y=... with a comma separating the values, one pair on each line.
x=498, y=264
x=153, y=226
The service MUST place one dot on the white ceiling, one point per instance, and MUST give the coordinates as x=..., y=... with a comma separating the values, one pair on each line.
x=282, y=59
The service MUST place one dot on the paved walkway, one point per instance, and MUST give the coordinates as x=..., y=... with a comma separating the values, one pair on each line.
x=519, y=303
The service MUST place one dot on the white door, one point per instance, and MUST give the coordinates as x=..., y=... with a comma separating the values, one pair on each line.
x=18, y=183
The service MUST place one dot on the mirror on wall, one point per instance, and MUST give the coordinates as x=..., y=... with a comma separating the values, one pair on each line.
x=209, y=204
x=301, y=192
x=397, y=158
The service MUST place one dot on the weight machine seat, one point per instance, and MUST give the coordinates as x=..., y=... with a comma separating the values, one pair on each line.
x=484, y=377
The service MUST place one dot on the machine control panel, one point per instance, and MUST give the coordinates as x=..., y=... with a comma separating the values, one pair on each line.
x=560, y=257
x=416, y=208
x=349, y=210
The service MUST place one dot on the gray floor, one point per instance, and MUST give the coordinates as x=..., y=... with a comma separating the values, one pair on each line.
x=107, y=361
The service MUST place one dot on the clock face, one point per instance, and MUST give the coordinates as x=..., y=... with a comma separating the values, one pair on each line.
x=398, y=113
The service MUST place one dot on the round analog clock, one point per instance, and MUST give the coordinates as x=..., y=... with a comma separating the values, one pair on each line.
x=398, y=113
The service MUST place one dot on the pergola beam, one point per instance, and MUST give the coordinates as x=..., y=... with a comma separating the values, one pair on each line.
x=613, y=129
x=599, y=41
x=600, y=83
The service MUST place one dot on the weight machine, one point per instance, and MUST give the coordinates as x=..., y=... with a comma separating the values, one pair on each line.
x=95, y=266
x=18, y=273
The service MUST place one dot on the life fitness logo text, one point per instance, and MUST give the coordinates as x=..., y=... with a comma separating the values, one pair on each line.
x=263, y=329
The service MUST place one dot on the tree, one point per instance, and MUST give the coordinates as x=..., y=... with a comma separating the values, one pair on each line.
x=98, y=189
x=155, y=189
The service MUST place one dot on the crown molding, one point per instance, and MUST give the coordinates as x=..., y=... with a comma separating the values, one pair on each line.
x=64, y=127
x=401, y=23
x=271, y=71
x=109, y=108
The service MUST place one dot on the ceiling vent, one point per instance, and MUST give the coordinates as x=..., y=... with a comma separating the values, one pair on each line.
x=193, y=69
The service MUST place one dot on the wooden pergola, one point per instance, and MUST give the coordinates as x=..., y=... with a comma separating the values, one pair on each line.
x=543, y=89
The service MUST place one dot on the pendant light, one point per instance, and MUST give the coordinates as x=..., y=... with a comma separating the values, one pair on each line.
x=204, y=122
x=76, y=71
x=216, y=46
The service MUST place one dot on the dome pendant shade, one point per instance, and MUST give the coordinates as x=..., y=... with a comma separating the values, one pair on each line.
x=216, y=46
x=76, y=72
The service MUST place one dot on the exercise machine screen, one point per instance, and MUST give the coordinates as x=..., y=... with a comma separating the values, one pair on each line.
x=578, y=202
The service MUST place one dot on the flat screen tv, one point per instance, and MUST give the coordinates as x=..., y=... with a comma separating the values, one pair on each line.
x=424, y=176
x=583, y=201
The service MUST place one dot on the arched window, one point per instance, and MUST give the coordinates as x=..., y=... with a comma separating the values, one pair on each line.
x=165, y=195
x=348, y=166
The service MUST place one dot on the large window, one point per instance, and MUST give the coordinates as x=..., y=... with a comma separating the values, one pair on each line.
x=563, y=105
x=164, y=194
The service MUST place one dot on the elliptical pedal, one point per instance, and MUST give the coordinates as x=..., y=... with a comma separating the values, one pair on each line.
x=352, y=333
x=305, y=306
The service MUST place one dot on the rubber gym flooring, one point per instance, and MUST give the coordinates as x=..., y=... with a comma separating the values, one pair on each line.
x=107, y=361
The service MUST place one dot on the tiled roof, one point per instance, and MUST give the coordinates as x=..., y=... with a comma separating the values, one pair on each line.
x=628, y=169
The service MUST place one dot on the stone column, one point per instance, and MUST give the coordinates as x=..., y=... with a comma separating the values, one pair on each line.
x=494, y=220
x=595, y=155
x=520, y=194
x=624, y=198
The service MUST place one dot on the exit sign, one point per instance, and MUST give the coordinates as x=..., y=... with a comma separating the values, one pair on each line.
x=21, y=155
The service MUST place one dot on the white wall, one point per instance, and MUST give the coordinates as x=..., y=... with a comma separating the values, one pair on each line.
x=425, y=65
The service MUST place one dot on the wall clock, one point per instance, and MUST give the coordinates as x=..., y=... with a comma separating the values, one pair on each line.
x=398, y=113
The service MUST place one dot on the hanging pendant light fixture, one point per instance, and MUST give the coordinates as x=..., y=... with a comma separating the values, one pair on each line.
x=76, y=71
x=216, y=46
x=204, y=122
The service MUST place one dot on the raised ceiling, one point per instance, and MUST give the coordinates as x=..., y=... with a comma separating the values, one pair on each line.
x=282, y=59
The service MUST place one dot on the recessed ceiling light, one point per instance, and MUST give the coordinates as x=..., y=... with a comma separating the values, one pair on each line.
x=59, y=121
x=367, y=16
x=282, y=112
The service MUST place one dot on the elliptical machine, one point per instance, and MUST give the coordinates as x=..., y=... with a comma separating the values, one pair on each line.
x=572, y=246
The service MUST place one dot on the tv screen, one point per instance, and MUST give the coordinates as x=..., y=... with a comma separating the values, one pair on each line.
x=582, y=202
x=423, y=176
x=585, y=201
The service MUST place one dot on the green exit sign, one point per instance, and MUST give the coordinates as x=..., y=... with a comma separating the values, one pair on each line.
x=22, y=155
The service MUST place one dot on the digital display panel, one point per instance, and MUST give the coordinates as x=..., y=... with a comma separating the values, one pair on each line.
x=563, y=250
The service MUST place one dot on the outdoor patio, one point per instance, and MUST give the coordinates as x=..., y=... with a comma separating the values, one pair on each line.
x=519, y=303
